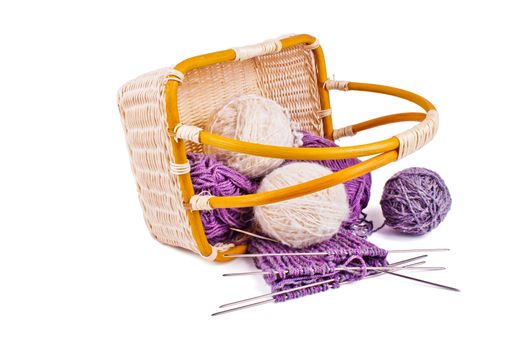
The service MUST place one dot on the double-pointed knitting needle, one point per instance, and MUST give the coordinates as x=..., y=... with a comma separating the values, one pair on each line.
x=271, y=295
x=396, y=264
x=270, y=300
x=253, y=234
x=257, y=255
x=342, y=268
x=422, y=281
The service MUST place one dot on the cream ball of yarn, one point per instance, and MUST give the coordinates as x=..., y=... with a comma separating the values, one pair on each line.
x=254, y=119
x=306, y=220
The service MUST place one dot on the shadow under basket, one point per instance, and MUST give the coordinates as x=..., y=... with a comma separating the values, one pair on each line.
x=164, y=112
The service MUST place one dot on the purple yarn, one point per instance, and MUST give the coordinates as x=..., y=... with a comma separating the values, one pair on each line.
x=415, y=201
x=210, y=176
x=358, y=189
x=344, y=249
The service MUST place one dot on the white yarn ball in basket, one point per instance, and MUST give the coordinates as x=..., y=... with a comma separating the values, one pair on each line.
x=254, y=119
x=302, y=221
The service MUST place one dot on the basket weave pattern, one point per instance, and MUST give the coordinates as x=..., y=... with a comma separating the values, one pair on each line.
x=143, y=114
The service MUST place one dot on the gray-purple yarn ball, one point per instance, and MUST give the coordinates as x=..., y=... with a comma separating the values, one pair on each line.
x=415, y=201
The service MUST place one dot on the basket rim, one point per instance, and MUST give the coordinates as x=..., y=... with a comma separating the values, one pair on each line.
x=175, y=79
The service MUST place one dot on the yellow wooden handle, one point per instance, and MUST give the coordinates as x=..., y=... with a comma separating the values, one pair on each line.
x=388, y=119
x=305, y=188
x=292, y=153
x=392, y=91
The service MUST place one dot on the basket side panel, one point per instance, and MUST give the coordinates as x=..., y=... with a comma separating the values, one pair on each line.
x=143, y=115
x=289, y=78
x=206, y=90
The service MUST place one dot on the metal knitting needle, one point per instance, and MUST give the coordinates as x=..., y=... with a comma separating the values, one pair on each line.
x=346, y=282
x=350, y=268
x=273, y=294
x=423, y=281
x=306, y=286
x=256, y=255
x=253, y=234
x=270, y=300
x=293, y=289
x=401, y=262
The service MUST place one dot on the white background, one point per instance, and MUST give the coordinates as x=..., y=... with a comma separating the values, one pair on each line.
x=78, y=269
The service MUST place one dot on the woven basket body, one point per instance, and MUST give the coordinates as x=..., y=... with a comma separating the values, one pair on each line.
x=163, y=114
x=288, y=77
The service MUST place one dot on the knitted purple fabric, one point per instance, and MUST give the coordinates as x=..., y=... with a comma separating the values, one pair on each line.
x=415, y=201
x=209, y=176
x=345, y=249
x=358, y=189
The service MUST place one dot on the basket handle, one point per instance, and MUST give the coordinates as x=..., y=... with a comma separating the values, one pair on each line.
x=204, y=202
x=427, y=126
x=410, y=140
x=386, y=151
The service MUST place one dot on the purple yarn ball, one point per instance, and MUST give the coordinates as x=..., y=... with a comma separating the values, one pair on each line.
x=415, y=201
x=213, y=177
x=357, y=190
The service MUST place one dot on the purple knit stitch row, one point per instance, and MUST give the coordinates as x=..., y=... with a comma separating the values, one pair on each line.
x=344, y=249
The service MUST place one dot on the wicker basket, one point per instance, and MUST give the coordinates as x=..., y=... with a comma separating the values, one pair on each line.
x=163, y=113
